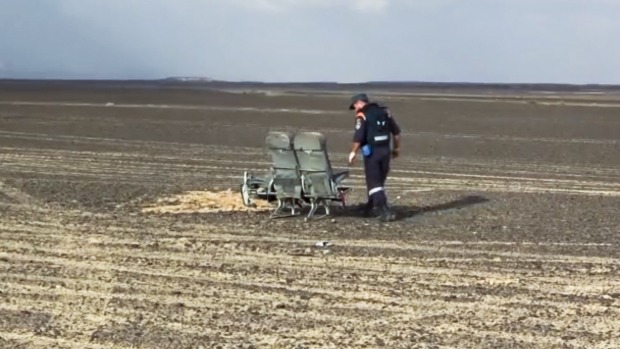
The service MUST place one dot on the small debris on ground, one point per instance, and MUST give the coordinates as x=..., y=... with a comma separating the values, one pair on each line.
x=205, y=202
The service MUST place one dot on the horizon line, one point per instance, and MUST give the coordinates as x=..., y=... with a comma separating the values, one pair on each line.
x=198, y=80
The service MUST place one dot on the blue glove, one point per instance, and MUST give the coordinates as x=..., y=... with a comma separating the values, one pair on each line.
x=367, y=150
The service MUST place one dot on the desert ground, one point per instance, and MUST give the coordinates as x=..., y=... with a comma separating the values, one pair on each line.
x=120, y=223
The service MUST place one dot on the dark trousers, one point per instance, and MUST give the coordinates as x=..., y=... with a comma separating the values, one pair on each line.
x=376, y=169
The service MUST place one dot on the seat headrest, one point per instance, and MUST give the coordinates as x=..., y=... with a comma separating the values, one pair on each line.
x=279, y=140
x=310, y=141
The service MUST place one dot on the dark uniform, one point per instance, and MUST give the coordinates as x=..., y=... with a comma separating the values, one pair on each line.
x=374, y=127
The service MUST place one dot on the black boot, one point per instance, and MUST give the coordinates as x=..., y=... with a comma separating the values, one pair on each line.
x=366, y=209
x=386, y=214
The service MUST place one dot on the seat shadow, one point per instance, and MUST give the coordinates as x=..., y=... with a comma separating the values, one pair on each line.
x=404, y=212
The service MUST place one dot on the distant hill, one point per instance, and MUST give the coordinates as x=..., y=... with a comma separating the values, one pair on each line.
x=188, y=79
x=189, y=82
x=401, y=85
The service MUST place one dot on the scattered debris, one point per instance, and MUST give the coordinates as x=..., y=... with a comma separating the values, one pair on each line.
x=324, y=244
x=204, y=202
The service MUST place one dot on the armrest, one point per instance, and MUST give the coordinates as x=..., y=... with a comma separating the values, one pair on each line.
x=339, y=176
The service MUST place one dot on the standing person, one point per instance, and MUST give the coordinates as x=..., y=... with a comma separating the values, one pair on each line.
x=374, y=130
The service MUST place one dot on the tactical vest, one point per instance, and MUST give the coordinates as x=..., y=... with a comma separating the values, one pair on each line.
x=378, y=131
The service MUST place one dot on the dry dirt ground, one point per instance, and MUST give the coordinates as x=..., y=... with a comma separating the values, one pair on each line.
x=508, y=230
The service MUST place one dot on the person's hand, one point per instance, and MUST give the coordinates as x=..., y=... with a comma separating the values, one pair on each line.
x=395, y=153
x=352, y=156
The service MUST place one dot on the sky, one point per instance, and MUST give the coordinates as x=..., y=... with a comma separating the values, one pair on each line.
x=503, y=41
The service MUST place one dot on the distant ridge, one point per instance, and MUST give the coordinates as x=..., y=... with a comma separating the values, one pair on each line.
x=191, y=82
x=415, y=84
x=188, y=79
x=405, y=86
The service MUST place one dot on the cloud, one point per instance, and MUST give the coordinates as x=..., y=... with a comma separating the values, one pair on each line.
x=304, y=40
x=371, y=5
x=288, y=6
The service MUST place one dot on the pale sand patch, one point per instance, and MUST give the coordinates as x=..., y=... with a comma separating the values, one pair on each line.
x=205, y=202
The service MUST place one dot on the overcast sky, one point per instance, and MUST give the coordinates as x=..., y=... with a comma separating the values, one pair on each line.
x=562, y=41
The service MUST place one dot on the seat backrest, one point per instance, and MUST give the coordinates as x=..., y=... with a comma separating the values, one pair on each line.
x=314, y=164
x=284, y=166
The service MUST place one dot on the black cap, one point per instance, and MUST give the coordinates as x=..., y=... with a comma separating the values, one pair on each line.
x=358, y=97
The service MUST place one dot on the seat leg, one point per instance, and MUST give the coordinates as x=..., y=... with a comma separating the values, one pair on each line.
x=294, y=208
x=313, y=207
x=245, y=191
x=282, y=203
x=279, y=208
x=325, y=204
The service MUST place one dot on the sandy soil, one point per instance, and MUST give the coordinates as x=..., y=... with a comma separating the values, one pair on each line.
x=121, y=226
x=205, y=202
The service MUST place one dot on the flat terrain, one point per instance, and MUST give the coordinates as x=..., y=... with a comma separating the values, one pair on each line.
x=508, y=233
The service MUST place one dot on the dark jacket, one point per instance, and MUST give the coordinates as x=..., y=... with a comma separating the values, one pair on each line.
x=375, y=125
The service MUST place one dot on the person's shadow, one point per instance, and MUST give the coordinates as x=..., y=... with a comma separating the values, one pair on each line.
x=407, y=212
